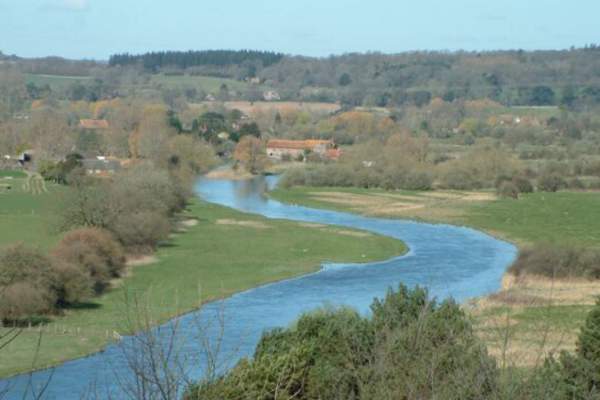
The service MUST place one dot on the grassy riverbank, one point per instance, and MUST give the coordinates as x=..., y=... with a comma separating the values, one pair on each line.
x=563, y=217
x=219, y=251
x=527, y=318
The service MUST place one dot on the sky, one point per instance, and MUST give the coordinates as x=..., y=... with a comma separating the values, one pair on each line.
x=95, y=29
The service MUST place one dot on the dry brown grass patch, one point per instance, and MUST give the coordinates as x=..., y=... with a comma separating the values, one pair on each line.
x=246, y=224
x=281, y=106
x=351, y=233
x=430, y=206
x=557, y=291
x=136, y=261
x=311, y=225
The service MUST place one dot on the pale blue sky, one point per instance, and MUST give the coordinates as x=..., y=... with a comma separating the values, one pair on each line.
x=98, y=28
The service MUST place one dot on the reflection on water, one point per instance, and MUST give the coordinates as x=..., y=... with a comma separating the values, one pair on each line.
x=450, y=261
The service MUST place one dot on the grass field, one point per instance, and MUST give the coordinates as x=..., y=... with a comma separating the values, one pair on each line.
x=28, y=218
x=205, y=83
x=12, y=174
x=225, y=252
x=563, y=217
x=257, y=107
x=529, y=318
x=56, y=82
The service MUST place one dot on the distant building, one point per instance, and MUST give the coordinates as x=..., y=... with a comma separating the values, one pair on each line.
x=26, y=157
x=101, y=166
x=21, y=116
x=223, y=136
x=271, y=95
x=93, y=124
x=293, y=149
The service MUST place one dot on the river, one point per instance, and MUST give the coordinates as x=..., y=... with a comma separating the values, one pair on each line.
x=448, y=260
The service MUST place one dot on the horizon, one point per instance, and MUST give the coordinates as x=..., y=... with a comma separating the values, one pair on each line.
x=94, y=30
x=440, y=51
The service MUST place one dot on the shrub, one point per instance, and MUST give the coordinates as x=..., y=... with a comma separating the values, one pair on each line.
x=73, y=284
x=594, y=184
x=523, y=184
x=26, y=283
x=337, y=354
x=60, y=171
x=417, y=180
x=551, y=183
x=459, y=179
x=508, y=190
x=23, y=299
x=95, y=252
x=558, y=262
x=502, y=179
x=293, y=177
x=141, y=231
x=576, y=184
x=144, y=188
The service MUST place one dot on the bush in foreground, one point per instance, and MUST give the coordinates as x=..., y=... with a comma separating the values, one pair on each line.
x=411, y=347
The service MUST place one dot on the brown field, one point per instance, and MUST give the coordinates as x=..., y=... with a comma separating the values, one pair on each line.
x=429, y=206
x=252, y=108
x=533, y=317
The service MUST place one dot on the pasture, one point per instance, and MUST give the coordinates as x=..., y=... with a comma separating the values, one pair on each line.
x=564, y=217
x=56, y=82
x=215, y=252
x=256, y=107
x=26, y=216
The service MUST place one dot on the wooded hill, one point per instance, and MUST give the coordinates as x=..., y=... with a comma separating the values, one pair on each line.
x=569, y=78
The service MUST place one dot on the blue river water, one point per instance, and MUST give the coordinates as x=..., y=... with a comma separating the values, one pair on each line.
x=448, y=260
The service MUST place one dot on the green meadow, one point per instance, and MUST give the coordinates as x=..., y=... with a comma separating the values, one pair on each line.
x=562, y=217
x=222, y=252
x=26, y=217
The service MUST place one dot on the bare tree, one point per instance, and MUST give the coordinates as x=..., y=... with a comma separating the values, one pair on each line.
x=162, y=361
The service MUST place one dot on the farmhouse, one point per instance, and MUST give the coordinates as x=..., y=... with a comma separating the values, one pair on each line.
x=297, y=149
x=101, y=166
x=271, y=95
x=93, y=124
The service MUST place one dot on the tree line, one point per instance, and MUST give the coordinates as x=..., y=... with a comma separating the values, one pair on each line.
x=183, y=59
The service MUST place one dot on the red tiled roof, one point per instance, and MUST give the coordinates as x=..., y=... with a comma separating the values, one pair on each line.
x=333, y=154
x=93, y=124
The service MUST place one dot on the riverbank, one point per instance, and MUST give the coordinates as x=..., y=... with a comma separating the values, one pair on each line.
x=528, y=318
x=563, y=217
x=223, y=252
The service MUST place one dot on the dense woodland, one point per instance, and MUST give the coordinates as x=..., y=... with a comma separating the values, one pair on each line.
x=539, y=78
x=158, y=60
